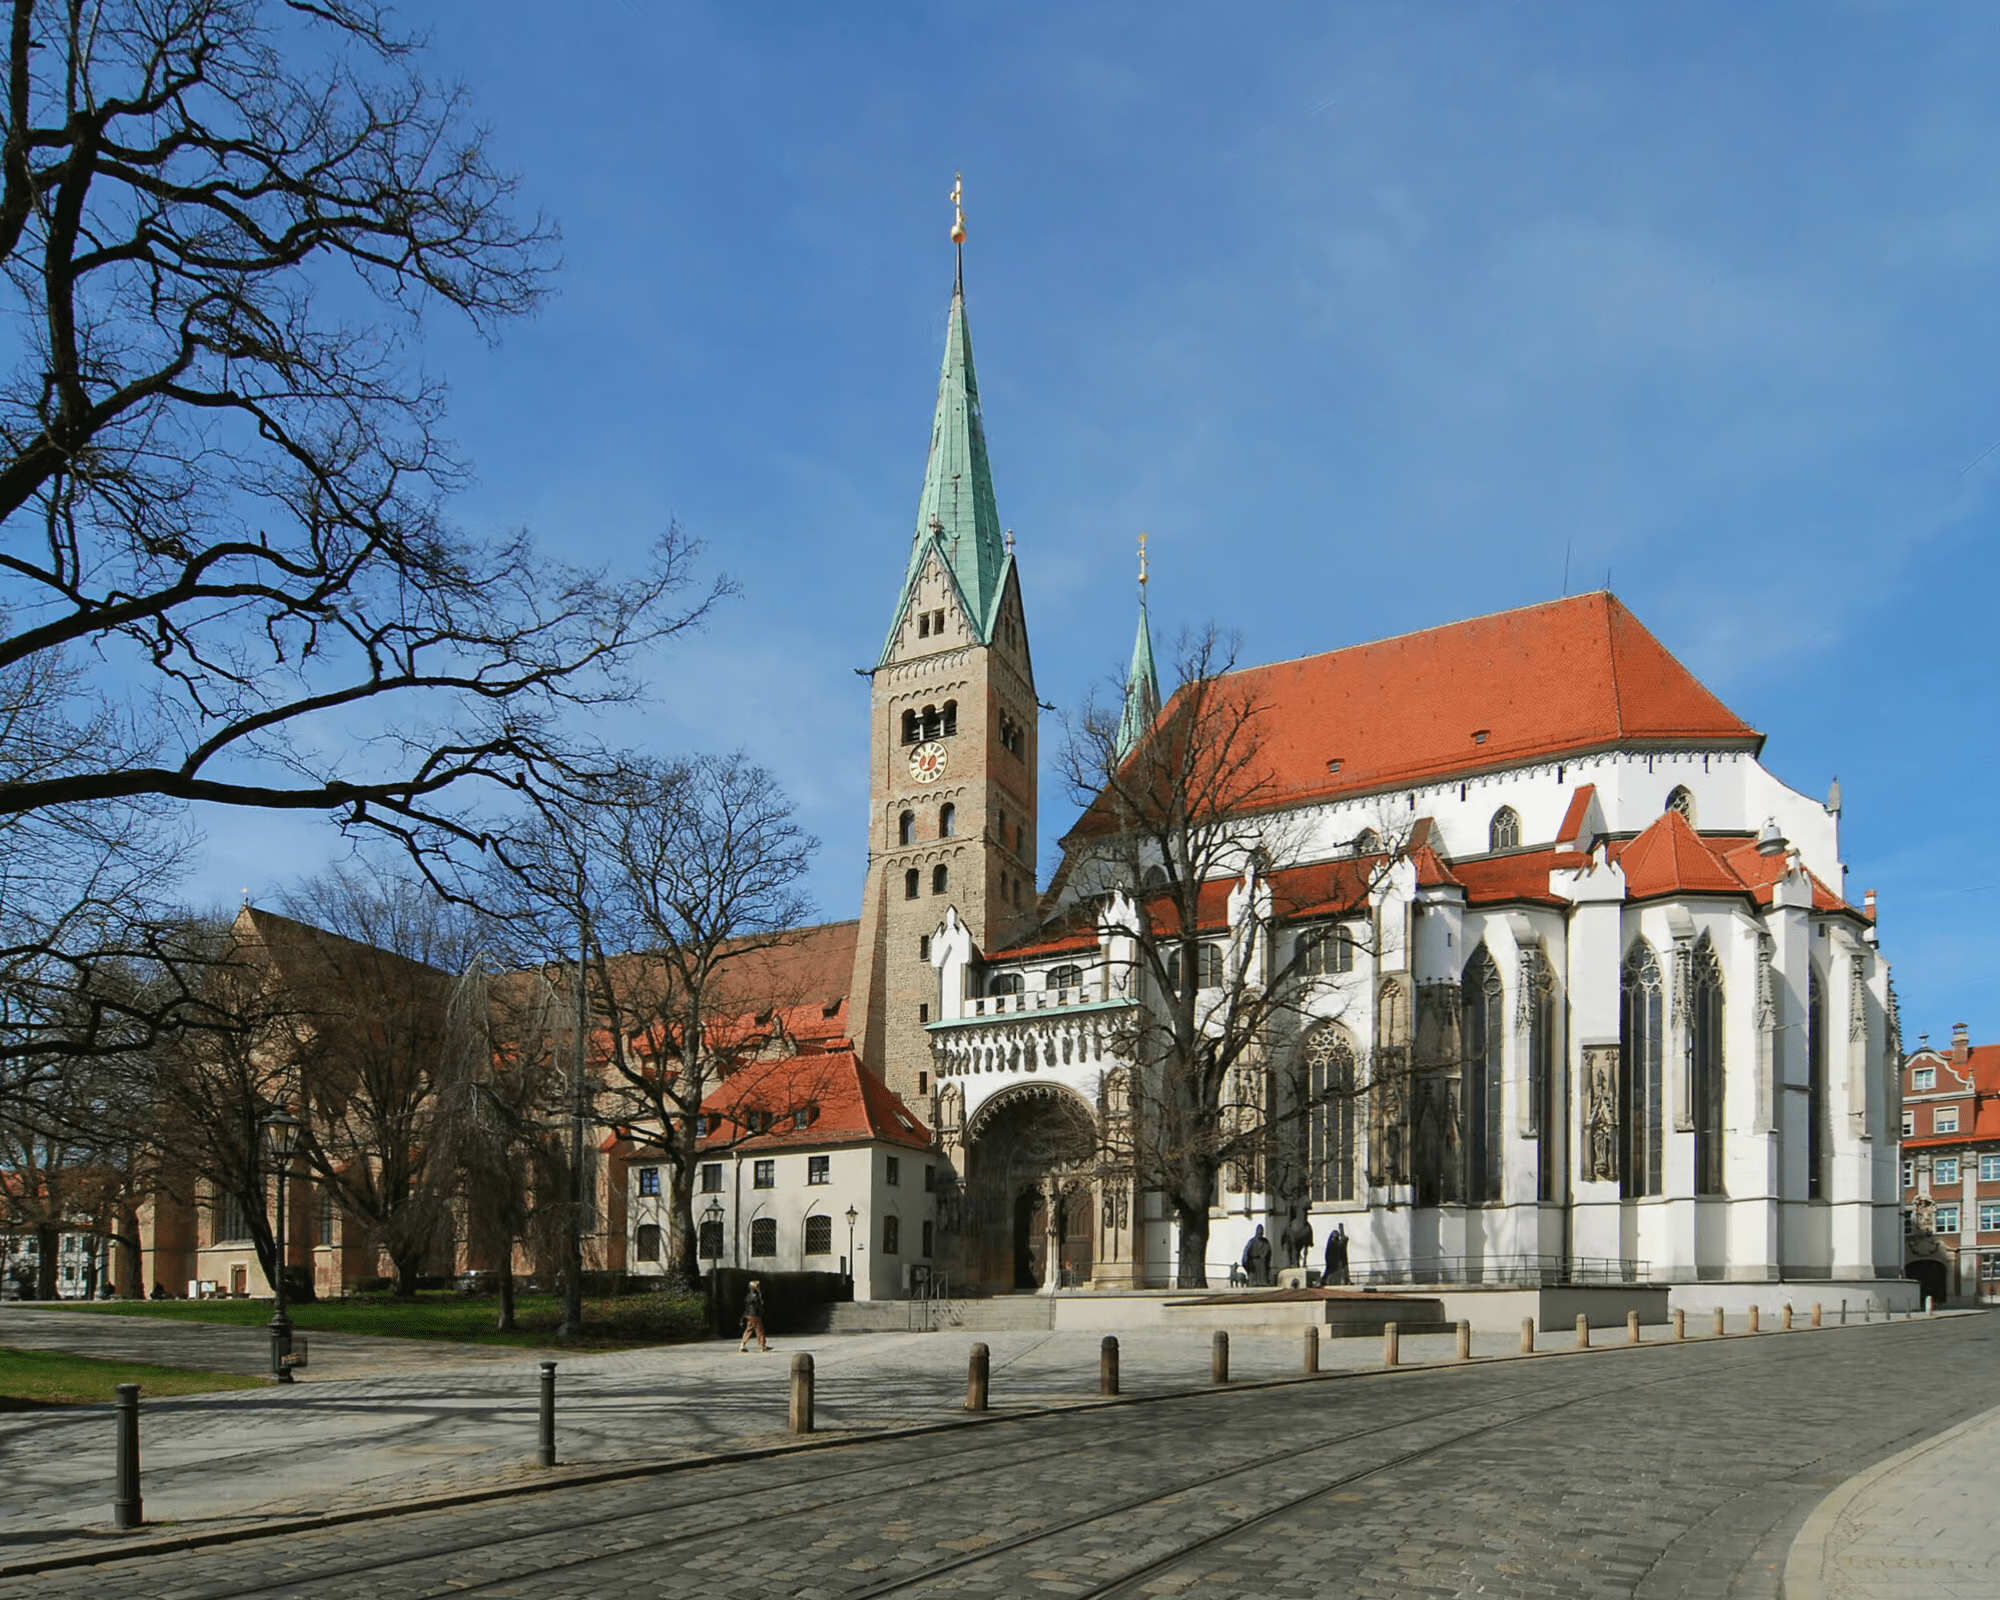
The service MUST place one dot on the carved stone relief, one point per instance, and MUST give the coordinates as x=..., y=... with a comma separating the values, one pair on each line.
x=1600, y=1113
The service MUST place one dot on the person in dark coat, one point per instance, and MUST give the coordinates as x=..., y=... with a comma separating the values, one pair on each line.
x=753, y=1316
x=1336, y=1254
x=1257, y=1259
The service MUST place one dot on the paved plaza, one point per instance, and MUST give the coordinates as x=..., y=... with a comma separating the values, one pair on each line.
x=1702, y=1469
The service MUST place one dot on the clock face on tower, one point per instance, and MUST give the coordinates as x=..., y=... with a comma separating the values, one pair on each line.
x=927, y=762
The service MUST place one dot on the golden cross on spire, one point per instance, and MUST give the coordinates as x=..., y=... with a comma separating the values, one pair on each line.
x=958, y=208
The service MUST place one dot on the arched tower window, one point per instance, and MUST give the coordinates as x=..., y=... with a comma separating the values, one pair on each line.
x=949, y=725
x=1504, y=832
x=906, y=828
x=1705, y=1075
x=1479, y=1099
x=933, y=723
x=1682, y=800
x=947, y=820
x=1819, y=1122
x=1330, y=1117
x=1642, y=1050
x=910, y=883
x=940, y=878
x=912, y=729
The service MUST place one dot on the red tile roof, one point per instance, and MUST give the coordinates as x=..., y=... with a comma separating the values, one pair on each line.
x=849, y=1104
x=1671, y=858
x=1983, y=1062
x=1573, y=819
x=1563, y=677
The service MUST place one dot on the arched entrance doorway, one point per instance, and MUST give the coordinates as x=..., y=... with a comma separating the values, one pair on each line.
x=1932, y=1280
x=1031, y=1153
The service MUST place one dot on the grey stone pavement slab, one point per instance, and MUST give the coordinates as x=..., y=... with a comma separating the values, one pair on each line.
x=240, y=1460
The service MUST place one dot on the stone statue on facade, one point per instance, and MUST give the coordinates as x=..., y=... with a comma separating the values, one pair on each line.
x=1257, y=1260
x=1600, y=1114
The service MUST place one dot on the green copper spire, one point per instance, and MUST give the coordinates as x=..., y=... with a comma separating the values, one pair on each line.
x=956, y=514
x=1142, y=683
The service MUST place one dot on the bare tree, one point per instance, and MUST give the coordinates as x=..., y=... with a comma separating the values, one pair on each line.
x=1176, y=827
x=686, y=876
x=222, y=480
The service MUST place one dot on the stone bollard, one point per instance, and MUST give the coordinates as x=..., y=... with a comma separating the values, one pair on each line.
x=1680, y=1324
x=1785, y=1318
x=1818, y=1316
x=975, y=1379
x=1753, y=1319
x=1930, y=1306
x=1392, y=1344
x=1582, y=1331
x=802, y=1393
x=127, y=1509
x=1720, y=1326
x=1843, y=1313
x=1464, y=1340
x=1631, y=1327
x=1218, y=1358
x=1527, y=1336
x=545, y=1448
x=1312, y=1349
x=1107, y=1365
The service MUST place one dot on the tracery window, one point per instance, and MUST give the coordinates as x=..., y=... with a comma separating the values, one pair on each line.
x=1682, y=800
x=1330, y=1118
x=906, y=828
x=1819, y=1121
x=1542, y=1070
x=1705, y=1076
x=1504, y=832
x=1485, y=1039
x=1642, y=1052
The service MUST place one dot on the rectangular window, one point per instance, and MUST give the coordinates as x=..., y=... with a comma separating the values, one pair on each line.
x=892, y=1236
x=711, y=1241
x=930, y=1179
x=923, y=1011
x=764, y=1236
x=923, y=1083
x=1989, y=1219
x=764, y=1175
x=711, y=1177
x=802, y=1118
x=649, y=1180
x=893, y=1172
x=1944, y=1170
x=646, y=1243
x=1989, y=1266
x=819, y=1169
x=1944, y=1119
x=1909, y=1174
x=231, y=1220
x=1947, y=1219
x=1909, y=1124
x=923, y=947
x=1989, y=1169
x=701, y=1127
x=326, y=1216
x=1922, y=1078
x=927, y=1241
x=819, y=1236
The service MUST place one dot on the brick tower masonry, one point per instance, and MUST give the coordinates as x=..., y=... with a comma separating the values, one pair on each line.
x=951, y=747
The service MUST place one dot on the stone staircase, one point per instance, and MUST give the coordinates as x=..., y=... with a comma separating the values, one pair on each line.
x=996, y=1314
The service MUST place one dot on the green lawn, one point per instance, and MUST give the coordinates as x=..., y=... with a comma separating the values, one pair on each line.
x=48, y=1377
x=636, y=1319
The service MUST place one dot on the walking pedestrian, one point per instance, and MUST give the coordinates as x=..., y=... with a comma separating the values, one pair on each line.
x=753, y=1316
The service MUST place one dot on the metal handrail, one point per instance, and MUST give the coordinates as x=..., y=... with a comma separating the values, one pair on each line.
x=1537, y=1271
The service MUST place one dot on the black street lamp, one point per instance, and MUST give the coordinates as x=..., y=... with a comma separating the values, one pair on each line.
x=851, y=1215
x=281, y=1140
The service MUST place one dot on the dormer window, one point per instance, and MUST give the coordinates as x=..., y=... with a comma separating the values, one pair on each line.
x=1504, y=832
x=1923, y=1078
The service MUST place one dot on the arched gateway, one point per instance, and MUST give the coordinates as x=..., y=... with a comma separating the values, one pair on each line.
x=1031, y=1161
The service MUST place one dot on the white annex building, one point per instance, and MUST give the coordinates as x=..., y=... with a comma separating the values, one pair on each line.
x=1582, y=994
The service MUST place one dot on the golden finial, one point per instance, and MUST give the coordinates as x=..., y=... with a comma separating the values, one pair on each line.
x=958, y=208
x=1142, y=564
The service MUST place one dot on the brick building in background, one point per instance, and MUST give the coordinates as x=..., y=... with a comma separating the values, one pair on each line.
x=1951, y=1168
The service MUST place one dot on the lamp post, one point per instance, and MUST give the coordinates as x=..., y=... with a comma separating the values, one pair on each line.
x=851, y=1215
x=281, y=1140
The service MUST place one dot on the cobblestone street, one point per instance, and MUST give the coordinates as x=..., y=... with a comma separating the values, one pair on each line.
x=1683, y=1470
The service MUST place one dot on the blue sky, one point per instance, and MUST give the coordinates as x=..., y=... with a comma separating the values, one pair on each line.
x=1373, y=316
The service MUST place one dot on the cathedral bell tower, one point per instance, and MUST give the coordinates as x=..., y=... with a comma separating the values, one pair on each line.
x=952, y=739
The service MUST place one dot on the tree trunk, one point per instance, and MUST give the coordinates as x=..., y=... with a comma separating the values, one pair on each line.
x=507, y=1324
x=1191, y=1271
x=405, y=1263
x=46, y=1241
x=685, y=1246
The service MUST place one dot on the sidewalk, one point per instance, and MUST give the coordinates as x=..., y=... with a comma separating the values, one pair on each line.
x=369, y=1427
x=1919, y=1523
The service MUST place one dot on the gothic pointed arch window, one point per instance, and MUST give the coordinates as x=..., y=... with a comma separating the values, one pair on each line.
x=1705, y=1066
x=1485, y=1035
x=1331, y=1087
x=1543, y=1067
x=1642, y=1050
x=906, y=828
x=1819, y=1121
x=1681, y=799
x=1389, y=1103
x=1504, y=831
x=947, y=820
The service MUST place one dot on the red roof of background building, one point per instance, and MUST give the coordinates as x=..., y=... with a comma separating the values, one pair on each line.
x=849, y=1104
x=1983, y=1062
x=1562, y=677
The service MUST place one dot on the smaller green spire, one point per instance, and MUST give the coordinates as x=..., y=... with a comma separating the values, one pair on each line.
x=1142, y=683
